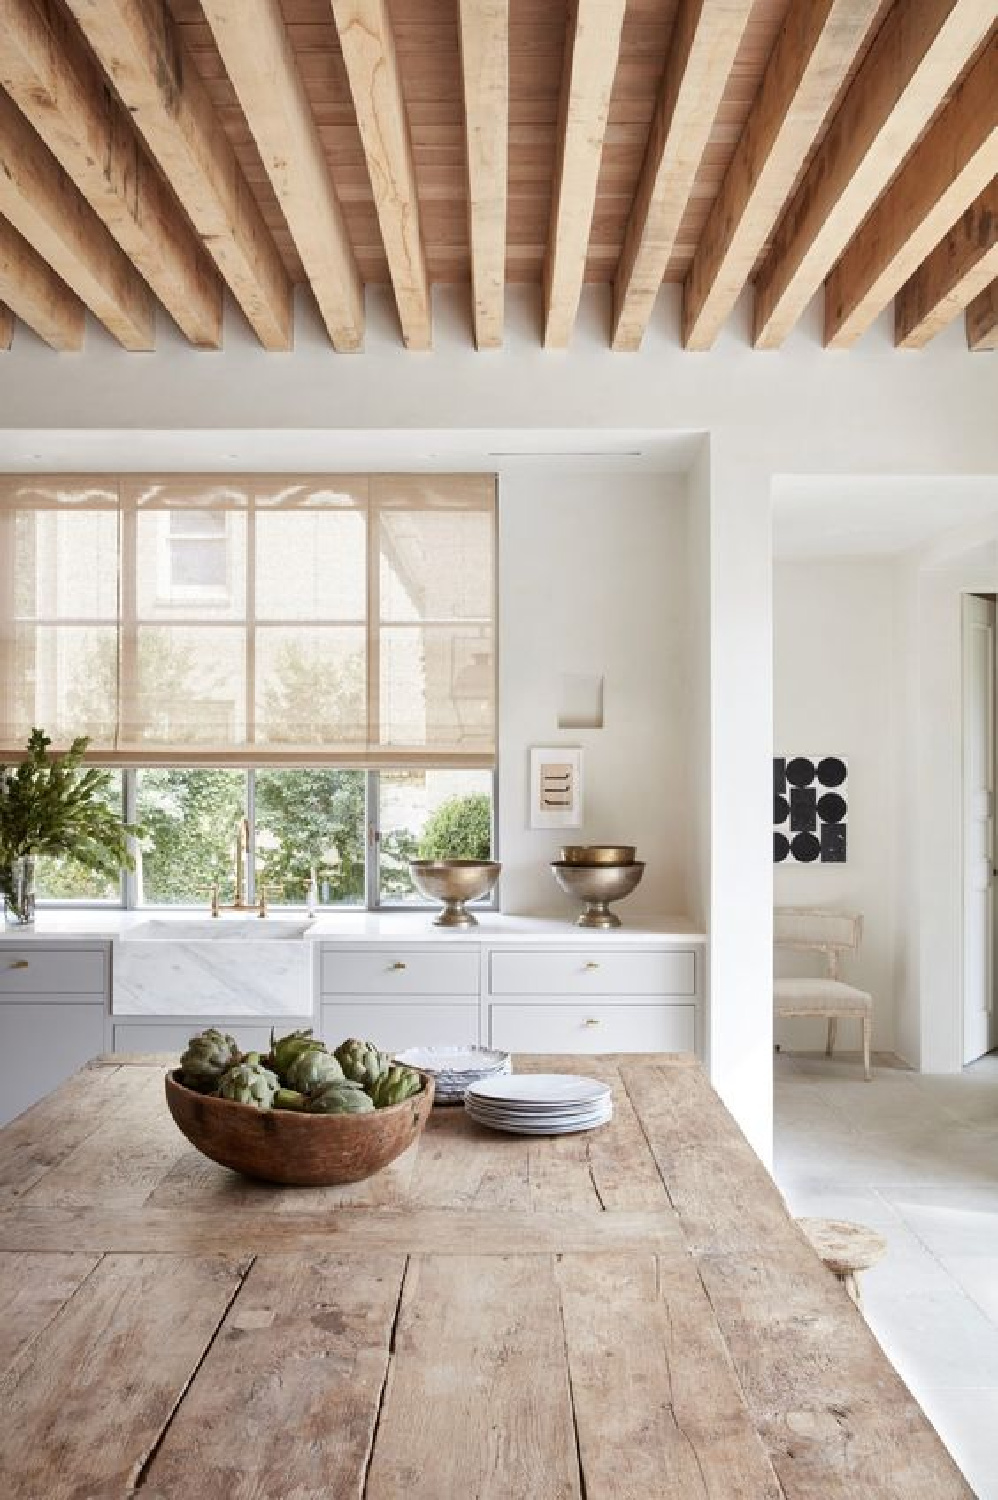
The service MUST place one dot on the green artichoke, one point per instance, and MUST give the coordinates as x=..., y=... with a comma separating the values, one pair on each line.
x=362, y=1061
x=312, y=1069
x=342, y=1098
x=289, y=1099
x=207, y=1056
x=394, y=1086
x=249, y=1082
x=285, y=1049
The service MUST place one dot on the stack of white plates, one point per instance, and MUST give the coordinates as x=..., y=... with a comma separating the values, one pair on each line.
x=540, y=1103
x=454, y=1068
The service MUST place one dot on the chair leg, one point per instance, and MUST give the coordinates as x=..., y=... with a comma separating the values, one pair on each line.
x=832, y=1028
x=867, y=1034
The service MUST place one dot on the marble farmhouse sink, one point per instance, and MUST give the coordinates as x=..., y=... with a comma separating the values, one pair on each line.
x=217, y=930
x=213, y=966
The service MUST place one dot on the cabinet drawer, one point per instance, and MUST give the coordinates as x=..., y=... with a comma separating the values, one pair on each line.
x=42, y=1046
x=62, y=971
x=591, y=971
x=593, y=1028
x=392, y=971
x=393, y=1027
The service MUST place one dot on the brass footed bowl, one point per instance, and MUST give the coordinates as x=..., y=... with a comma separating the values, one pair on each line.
x=597, y=854
x=281, y=1145
x=454, y=882
x=597, y=886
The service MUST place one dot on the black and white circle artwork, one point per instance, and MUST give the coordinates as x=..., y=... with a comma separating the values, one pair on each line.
x=810, y=808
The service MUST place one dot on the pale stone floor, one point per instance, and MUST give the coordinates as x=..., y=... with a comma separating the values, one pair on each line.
x=915, y=1157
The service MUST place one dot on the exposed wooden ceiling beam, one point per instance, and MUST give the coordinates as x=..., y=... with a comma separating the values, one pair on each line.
x=141, y=51
x=484, y=36
x=38, y=198
x=705, y=41
x=961, y=266
x=592, y=49
x=368, y=46
x=55, y=82
x=953, y=163
x=916, y=56
x=33, y=291
x=817, y=45
x=982, y=319
x=256, y=50
x=6, y=327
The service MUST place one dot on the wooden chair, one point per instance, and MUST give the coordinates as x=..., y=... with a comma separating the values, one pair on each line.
x=830, y=933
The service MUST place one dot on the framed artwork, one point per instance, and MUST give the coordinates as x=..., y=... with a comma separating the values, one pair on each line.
x=555, y=787
x=810, y=809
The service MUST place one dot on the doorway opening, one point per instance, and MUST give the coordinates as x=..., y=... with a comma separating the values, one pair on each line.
x=980, y=855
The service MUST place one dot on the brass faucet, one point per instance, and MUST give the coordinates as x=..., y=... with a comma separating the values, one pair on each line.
x=242, y=854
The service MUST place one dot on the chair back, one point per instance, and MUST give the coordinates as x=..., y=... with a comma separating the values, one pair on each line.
x=811, y=930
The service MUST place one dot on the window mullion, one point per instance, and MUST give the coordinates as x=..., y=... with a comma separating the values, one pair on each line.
x=251, y=843
x=372, y=845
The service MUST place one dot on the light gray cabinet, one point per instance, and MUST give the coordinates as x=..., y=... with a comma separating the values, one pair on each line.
x=53, y=1012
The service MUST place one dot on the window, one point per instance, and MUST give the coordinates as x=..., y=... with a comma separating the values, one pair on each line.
x=430, y=815
x=63, y=879
x=342, y=620
x=314, y=653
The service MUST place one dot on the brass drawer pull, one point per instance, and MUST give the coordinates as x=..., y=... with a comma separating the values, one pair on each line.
x=398, y=964
x=591, y=965
x=19, y=963
x=592, y=1020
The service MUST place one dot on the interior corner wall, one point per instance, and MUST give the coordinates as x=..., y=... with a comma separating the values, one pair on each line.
x=593, y=580
x=834, y=694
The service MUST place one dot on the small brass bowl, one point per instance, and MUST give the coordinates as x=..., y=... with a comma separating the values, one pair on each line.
x=454, y=881
x=592, y=855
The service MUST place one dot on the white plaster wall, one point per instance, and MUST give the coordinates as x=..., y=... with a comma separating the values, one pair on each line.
x=593, y=581
x=834, y=694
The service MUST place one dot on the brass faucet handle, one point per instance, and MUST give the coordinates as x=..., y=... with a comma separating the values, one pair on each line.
x=214, y=901
x=262, y=903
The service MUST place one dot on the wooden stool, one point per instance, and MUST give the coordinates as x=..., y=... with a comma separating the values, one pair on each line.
x=846, y=1249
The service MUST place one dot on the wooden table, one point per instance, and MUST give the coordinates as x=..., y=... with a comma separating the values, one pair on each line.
x=628, y=1313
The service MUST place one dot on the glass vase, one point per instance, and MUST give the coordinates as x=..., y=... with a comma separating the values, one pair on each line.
x=17, y=886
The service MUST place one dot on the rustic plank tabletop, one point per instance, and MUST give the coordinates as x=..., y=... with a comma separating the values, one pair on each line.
x=620, y=1315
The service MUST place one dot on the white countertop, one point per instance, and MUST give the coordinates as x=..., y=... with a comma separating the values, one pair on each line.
x=76, y=924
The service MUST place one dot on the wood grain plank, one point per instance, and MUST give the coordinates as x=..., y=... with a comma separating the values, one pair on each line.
x=260, y=63
x=303, y=1351
x=477, y=1400
x=657, y=1404
x=816, y=47
x=954, y=161
x=7, y=321
x=592, y=49
x=143, y=54
x=836, y=1418
x=48, y=1132
x=39, y=198
x=724, y=1196
x=122, y=1161
x=915, y=58
x=704, y=45
x=369, y=53
x=34, y=292
x=460, y=1166
x=70, y=1424
x=32, y=1290
x=483, y=28
x=982, y=319
x=347, y=1231
x=963, y=264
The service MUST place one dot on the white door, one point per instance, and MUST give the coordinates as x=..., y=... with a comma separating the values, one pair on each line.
x=978, y=821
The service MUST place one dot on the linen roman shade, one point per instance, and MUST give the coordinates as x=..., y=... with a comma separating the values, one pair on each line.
x=181, y=619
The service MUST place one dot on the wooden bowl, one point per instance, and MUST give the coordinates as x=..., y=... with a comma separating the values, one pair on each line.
x=280, y=1145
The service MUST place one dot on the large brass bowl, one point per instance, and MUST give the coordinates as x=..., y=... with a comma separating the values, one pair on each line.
x=597, y=886
x=281, y=1145
x=597, y=854
x=454, y=882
